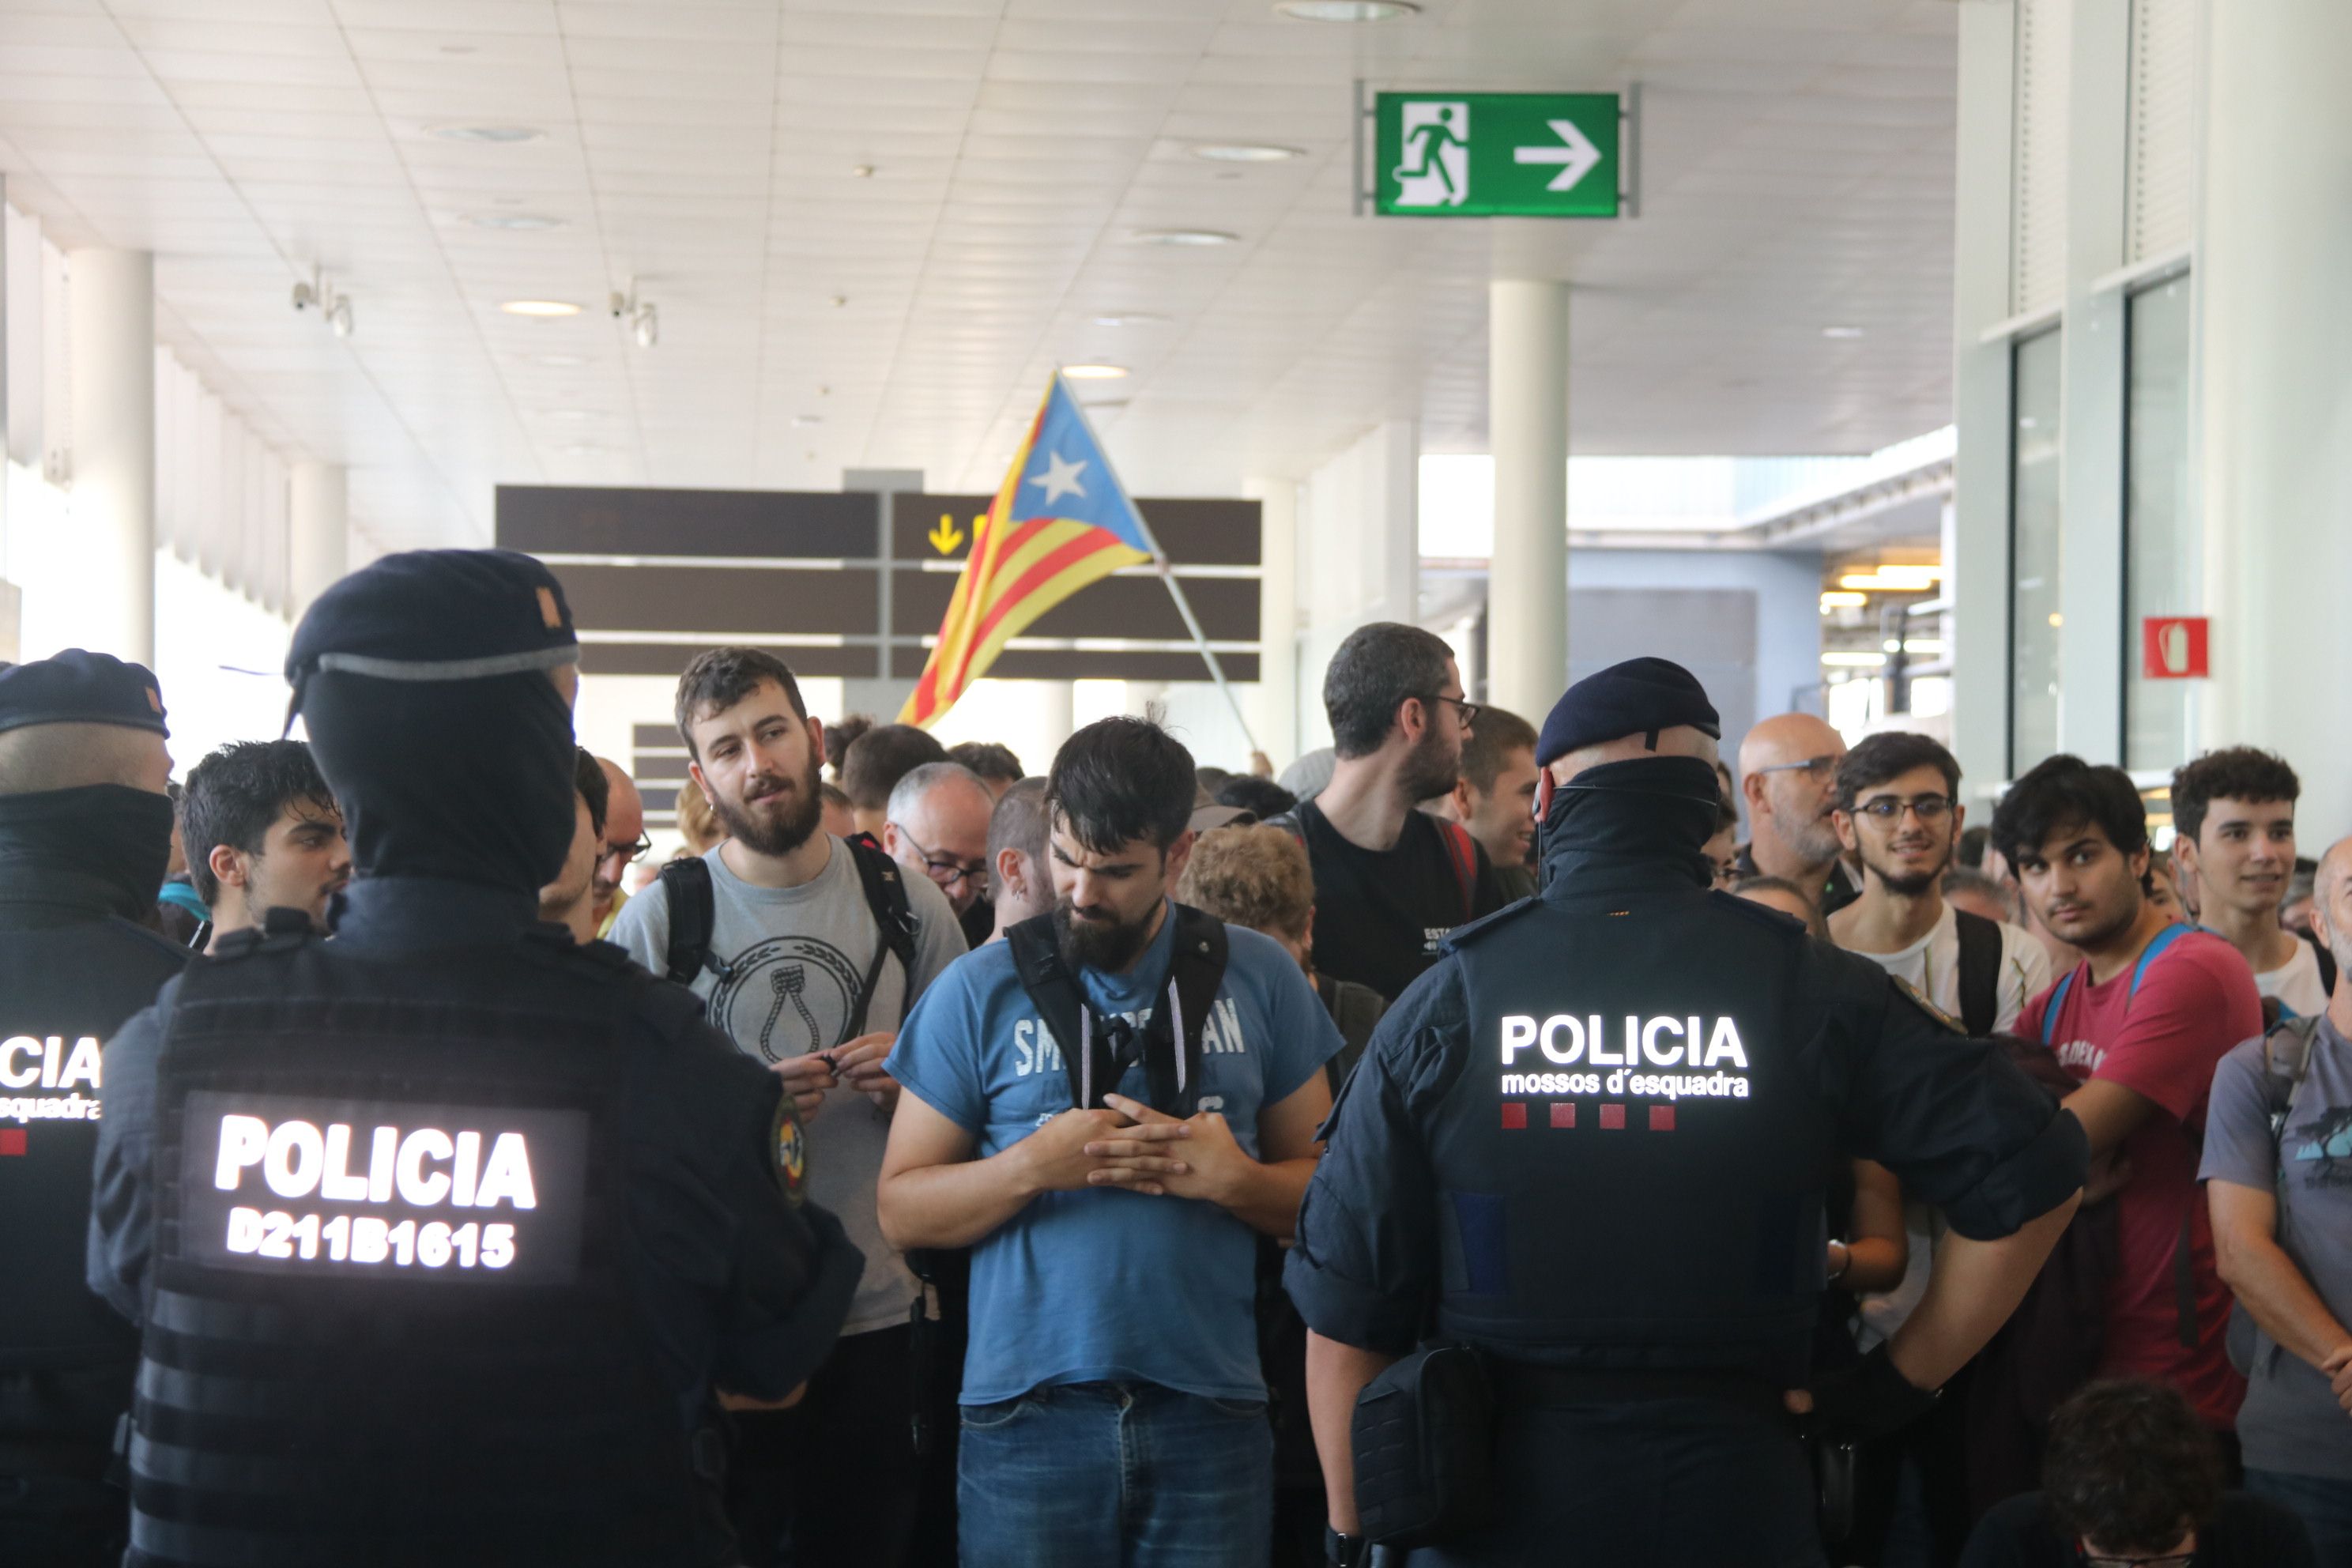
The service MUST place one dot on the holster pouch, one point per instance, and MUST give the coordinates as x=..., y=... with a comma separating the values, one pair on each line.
x=1424, y=1448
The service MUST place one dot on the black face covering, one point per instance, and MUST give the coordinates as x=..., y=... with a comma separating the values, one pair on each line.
x=1654, y=810
x=112, y=838
x=467, y=780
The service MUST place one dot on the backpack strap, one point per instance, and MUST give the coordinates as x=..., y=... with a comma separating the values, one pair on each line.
x=1463, y=851
x=2286, y=1057
x=1097, y=1054
x=2327, y=964
x=693, y=911
x=886, y=897
x=2049, y=1008
x=1980, y=973
x=2149, y=954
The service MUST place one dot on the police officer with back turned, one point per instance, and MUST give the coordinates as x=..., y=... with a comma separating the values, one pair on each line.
x=85, y=831
x=1590, y=1147
x=442, y=1234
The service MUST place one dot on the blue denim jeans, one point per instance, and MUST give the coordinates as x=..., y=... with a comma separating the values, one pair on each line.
x=2325, y=1506
x=1106, y=1475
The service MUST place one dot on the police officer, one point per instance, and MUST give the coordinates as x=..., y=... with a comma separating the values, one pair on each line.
x=1591, y=1144
x=443, y=1233
x=85, y=834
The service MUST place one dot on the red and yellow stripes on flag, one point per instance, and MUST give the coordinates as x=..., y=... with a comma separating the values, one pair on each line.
x=1018, y=569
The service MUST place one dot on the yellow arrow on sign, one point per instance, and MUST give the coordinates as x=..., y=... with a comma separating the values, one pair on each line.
x=944, y=535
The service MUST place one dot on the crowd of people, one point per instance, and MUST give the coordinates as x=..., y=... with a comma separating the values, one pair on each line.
x=1049, y=1060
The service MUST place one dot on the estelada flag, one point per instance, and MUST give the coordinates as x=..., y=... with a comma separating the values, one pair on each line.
x=1059, y=521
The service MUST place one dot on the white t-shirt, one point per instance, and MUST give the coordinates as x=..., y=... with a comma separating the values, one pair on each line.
x=1933, y=964
x=2295, y=983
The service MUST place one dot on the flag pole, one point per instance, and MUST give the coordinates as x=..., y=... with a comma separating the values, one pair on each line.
x=1175, y=589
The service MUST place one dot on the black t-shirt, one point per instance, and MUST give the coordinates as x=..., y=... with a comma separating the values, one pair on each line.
x=2249, y=1534
x=1380, y=915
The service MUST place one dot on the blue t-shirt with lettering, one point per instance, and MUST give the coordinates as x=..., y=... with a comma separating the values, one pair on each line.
x=1107, y=1285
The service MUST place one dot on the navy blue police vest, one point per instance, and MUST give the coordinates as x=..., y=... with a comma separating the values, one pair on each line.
x=389, y=1317
x=1633, y=1154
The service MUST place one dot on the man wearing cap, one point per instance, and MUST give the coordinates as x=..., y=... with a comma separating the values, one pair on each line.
x=1594, y=1137
x=444, y=1235
x=85, y=834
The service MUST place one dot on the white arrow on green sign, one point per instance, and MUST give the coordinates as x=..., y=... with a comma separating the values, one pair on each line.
x=1495, y=154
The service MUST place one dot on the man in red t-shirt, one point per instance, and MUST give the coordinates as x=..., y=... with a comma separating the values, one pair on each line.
x=2141, y=1023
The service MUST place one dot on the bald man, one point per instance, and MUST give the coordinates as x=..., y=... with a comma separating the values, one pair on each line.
x=1788, y=771
x=624, y=831
x=2282, y=1235
x=937, y=826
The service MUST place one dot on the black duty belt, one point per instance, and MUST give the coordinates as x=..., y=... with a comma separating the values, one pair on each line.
x=1535, y=1385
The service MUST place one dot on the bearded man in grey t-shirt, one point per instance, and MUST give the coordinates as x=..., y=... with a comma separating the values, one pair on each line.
x=800, y=978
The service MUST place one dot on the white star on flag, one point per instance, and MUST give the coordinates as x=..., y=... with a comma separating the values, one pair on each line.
x=1061, y=476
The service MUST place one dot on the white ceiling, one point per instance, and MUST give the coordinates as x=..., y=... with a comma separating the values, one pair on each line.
x=1796, y=168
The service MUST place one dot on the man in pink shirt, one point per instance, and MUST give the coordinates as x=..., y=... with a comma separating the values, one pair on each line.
x=2141, y=1023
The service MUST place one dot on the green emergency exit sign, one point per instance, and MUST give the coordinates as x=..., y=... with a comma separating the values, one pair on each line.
x=1495, y=154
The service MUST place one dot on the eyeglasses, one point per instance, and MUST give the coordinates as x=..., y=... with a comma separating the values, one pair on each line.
x=1469, y=710
x=1819, y=767
x=634, y=852
x=946, y=871
x=1888, y=807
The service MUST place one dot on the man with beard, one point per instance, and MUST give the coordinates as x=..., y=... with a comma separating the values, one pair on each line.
x=624, y=844
x=444, y=1235
x=2141, y=1024
x=85, y=832
x=807, y=951
x=1788, y=769
x=263, y=832
x=1108, y=1107
x=570, y=901
x=1391, y=880
x=1898, y=808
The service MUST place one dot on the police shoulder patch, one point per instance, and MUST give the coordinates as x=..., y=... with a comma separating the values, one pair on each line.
x=788, y=1148
x=1918, y=999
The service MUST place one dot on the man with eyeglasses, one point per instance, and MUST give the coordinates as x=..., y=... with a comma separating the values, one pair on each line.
x=1897, y=807
x=807, y=951
x=624, y=844
x=1788, y=771
x=1391, y=880
x=938, y=827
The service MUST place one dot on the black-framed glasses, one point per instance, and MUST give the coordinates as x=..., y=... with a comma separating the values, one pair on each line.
x=1819, y=767
x=1929, y=808
x=1469, y=710
x=634, y=852
x=946, y=870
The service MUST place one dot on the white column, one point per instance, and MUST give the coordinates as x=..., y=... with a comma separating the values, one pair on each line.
x=1527, y=423
x=318, y=533
x=1277, y=618
x=2274, y=252
x=1057, y=713
x=113, y=443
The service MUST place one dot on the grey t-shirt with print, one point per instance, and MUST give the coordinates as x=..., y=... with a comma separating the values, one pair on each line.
x=796, y=958
x=2290, y=1421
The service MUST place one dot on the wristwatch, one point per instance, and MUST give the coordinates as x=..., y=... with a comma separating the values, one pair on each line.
x=1345, y=1551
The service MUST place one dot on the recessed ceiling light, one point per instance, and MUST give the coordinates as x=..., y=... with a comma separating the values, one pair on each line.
x=1841, y=331
x=1346, y=10
x=1181, y=237
x=547, y=308
x=497, y=133
x=1245, y=152
x=1130, y=319
x=516, y=221
x=1094, y=372
x=570, y=415
x=559, y=362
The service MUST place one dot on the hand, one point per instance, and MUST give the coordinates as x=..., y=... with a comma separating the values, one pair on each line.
x=2338, y=1368
x=1213, y=1166
x=745, y=1402
x=805, y=1080
x=1053, y=1159
x=858, y=1063
x=2110, y=1174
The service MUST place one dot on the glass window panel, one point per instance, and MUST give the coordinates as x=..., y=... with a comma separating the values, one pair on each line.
x=2160, y=542
x=2034, y=532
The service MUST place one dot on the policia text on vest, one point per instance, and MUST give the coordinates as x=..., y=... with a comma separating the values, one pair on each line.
x=63, y=1068
x=1714, y=1063
x=374, y=1186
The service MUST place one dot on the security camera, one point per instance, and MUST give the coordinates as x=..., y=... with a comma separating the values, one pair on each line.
x=305, y=296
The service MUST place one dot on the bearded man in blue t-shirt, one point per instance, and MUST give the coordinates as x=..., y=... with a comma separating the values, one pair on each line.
x=1110, y=1120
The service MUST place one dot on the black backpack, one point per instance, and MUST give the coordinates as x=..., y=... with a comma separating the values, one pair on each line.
x=1979, y=973
x=693, y=911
